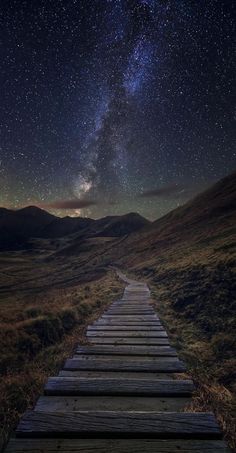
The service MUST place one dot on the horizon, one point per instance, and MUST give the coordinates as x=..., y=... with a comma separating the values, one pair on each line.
x=57, y=213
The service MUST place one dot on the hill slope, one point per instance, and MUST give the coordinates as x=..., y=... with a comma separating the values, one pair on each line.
x=189, y=260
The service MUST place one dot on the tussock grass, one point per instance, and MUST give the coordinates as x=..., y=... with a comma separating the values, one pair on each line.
x=34, y=345
x=197, y=306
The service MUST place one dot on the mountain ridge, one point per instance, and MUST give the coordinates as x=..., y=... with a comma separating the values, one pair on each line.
x=18, y=226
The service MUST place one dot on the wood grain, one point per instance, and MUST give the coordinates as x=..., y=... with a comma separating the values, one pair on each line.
x=111, y=403
x=130, y=318
x=126, y=323
x=131, y=350
x=156, y=365
x=158, y=424
x=116, y=446
x=115, y=387
x=131, y=341
x=125, y=328
x=127, y=333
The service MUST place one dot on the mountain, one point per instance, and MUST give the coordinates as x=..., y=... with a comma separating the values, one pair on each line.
x=114, y=226
x=17, y=227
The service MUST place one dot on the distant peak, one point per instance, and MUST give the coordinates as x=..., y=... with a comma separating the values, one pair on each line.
x=34, y=211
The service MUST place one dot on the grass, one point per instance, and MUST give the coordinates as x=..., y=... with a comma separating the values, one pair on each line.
x=37, y=333
x=194, y=294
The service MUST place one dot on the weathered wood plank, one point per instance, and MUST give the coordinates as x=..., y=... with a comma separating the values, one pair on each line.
x=124, y=357
x=111, y=403
x=115, y=374
x=136, y=295
x=104, y=322
x=124, y=322
x=131, y=308
x=127, y=323
x=131, y=312
x=134, y=308
x=102, y=423
x=126, y=334
x=125, y=328
x=93, y=386
x=130, y=341
x=116, y=446
x=158, y=364
x=126, y=315
x=155, y=321
x=128, y=305
x=130, y=318
x=123, y=303
x=131, y=350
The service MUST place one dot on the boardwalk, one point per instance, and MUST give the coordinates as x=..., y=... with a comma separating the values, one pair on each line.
x=119, y=393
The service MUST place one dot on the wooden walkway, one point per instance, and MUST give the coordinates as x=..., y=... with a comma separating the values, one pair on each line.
x=119, y=393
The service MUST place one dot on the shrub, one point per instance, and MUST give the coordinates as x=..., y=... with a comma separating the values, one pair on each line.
x=48, y=329
x=83, y=310
x=68, y=318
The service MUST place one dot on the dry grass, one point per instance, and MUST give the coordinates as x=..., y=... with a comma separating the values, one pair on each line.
x=199, y=317
x=38, y=333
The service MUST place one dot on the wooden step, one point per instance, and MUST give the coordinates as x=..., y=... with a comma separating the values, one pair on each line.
x=132, y=308
x=156, y=365
x=130, y=318
x=116, y=374
x=136, y=295
x=115, y=387
x=127, y=333
x=116, y=445
x=127, y=323
x=131, y=350
x=129, y=308
x=125, y=303
x=123, y=357
x=104, y=423
x=125, y=328
x=129, y=311
x=111, y=403
x=131, y=341
x=104, y=322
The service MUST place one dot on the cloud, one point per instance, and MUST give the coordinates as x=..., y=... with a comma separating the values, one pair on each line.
x=169, y=190
x=70, y=204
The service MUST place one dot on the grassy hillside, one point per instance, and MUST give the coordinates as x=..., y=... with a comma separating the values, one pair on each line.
x=189, y=259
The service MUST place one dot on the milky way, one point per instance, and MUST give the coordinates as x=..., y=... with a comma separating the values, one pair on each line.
x=123, y=105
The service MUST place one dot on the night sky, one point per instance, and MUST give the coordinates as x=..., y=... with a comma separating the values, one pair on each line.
x=113, y=106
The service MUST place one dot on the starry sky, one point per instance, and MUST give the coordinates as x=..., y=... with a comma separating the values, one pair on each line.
x=113, y=106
